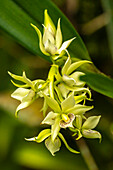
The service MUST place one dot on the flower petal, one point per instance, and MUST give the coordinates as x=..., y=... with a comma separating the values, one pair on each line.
x=53, y=146
x=41, y=137
x=52, y=103
x=20, y=78
x=68, y=103
x=50, y=118
x=91, y=122
x=75, y=65
x=40, y=40
x=64, y=124
x=79, y=109
x=76, y=76
x=80, y=98
x=65, y=45
x=50, y=48
x=68, y=80
x=55, y=128
x=78, y=122
x=20, y=93
x=48, y=36
x=58, y=35
x=66, y=66
x=91, y=134
x=48, y=23
x=26, y=101
x=63, y=90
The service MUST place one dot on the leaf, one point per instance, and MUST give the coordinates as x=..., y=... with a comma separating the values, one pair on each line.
x=53, y=146
x=67, y=146
x=99, y=83
x=41, y=137
x=17, y=24
x=108, y=8
x=91, y=122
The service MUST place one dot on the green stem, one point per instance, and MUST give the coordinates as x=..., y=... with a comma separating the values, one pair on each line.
x=85, y=152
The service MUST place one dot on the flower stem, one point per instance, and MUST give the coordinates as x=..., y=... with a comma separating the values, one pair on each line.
x=86, y=154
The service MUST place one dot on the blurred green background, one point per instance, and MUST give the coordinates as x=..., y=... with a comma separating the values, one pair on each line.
x=93, y=20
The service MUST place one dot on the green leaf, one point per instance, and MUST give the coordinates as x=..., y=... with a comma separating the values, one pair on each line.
x=108, y=8
x=53, y=146
x=52, y=103
x=41, y=137
x=99, y=83
x=67, y=146
x=17, y=24
x=91, y=122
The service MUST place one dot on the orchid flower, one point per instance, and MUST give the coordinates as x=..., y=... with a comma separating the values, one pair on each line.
x=51, y=41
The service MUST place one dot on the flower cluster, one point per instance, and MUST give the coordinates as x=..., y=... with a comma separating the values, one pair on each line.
x=63, y=92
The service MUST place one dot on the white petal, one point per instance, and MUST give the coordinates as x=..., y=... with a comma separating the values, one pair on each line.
x=65, y=45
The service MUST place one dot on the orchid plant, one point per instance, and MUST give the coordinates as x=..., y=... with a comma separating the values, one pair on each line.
x=63, y=92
